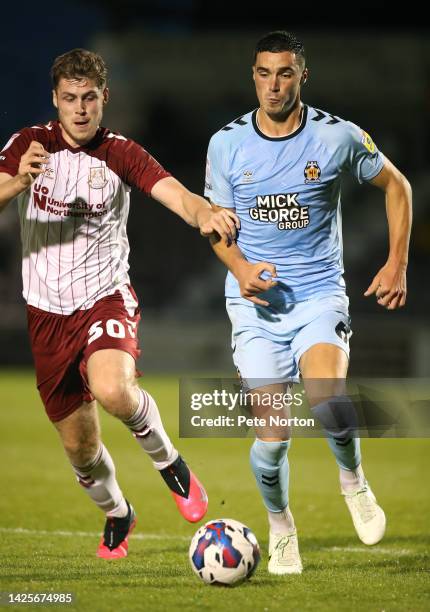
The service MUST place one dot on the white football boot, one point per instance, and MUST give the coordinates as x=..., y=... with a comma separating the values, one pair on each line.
x=368, y=518
x=284, y=556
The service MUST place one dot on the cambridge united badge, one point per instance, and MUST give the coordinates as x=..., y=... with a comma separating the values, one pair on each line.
x=312, y=172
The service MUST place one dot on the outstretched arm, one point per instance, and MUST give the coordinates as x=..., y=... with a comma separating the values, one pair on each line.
x=389, y=284
x=246, y=273
x=195, y=210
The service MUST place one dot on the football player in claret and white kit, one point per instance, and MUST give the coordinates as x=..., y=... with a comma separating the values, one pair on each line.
x=72, y=181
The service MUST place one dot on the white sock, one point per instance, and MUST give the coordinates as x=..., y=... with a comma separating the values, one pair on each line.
x=147, y=428
x=99, y=481
x=351, y=480
x=281, y=522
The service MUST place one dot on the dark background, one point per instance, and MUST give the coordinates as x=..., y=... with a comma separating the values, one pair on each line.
x=178, y=71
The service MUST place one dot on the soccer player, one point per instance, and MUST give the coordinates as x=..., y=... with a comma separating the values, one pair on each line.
x=72, y=180
x=279, y=167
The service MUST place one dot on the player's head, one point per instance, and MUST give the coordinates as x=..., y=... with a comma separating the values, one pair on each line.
x=79, y=93
x=279, y=71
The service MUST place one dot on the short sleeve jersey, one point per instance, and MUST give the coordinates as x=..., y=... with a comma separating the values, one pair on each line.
x=73, y=217
x=286, y=192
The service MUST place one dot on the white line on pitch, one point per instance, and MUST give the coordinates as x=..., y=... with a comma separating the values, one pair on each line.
x=84, y=534
x=382, y=550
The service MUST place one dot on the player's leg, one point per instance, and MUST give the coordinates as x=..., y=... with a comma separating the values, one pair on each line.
x=322, y=349
x=262, y=363
x=269, y=457
x=324, y=368
x=112, y=381
x=56, y=346
x=80, y=435
x=270, y=465
x=95, y=471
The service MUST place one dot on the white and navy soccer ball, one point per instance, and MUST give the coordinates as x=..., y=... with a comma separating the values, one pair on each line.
x=224, y=552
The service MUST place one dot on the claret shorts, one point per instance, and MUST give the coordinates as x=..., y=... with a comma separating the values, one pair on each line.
x=62, y=345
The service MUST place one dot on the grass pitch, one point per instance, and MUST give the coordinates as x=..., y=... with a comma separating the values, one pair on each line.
x=49, y=529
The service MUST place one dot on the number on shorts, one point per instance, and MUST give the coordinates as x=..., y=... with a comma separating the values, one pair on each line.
x=131, y=327
x=114, y=329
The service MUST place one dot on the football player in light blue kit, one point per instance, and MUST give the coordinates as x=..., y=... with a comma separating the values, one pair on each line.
x=279, y=167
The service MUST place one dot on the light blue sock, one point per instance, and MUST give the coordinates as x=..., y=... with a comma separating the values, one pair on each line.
x=339, y=420
x=269, y=463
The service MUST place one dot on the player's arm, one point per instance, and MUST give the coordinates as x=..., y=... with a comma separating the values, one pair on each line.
x=246, y=273
x=389, y=284
x=137, y=167
x=9, y=188
x=29, y=167
x=195, y=210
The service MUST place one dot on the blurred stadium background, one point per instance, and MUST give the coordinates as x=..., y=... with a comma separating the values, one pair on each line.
x=178, y=72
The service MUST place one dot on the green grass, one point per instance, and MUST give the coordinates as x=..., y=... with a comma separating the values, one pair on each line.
x=38, y=492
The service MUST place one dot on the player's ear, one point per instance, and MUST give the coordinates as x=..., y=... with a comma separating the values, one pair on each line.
x=54, y=98
x=253, y=73
x=105, y=95
x=304, y=76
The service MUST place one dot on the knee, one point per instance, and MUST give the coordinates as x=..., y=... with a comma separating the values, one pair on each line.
x=337, y=416
x=117, y=397
x=269, y=454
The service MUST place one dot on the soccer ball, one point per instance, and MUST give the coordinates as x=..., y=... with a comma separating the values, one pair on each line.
x=224, y=552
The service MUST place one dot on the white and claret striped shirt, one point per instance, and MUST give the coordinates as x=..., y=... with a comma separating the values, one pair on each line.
x=74, y=216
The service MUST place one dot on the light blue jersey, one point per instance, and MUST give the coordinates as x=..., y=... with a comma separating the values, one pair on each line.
x=286, y=192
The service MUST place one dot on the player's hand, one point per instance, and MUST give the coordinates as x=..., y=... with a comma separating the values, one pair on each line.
x=224, y=222
x=250, y=281
x=389, y=286
x=32, y=163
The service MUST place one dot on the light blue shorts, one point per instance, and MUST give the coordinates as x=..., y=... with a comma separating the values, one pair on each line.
x=268, y=341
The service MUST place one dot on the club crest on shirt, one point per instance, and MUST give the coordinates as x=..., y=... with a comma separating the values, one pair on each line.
x=367, y=141
x=247, y=176
x=49, y=172
x=97, y=178
x=312, y=172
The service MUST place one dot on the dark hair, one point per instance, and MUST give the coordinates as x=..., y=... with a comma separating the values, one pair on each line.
x=79, y=63
x=279, y=41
